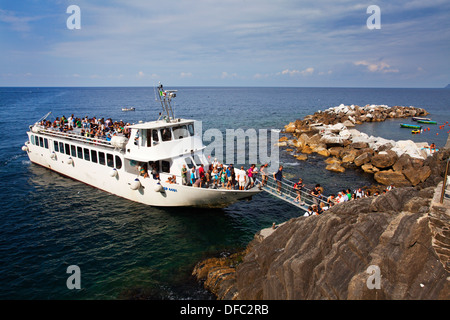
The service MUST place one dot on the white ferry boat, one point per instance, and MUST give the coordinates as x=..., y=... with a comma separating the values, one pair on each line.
x=118, y=166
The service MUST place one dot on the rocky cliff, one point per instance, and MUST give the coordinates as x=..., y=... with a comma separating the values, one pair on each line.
x=404, y=235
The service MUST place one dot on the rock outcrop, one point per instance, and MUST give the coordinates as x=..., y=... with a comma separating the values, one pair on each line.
x=330, y=134
x=404, y=234
x=328, y=256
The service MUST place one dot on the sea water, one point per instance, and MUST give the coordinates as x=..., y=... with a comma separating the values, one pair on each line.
x=129, y=250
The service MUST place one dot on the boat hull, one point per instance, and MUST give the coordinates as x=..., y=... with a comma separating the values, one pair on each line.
x=419, y=118
x=150, y=192
x=426, y=122
x=410, y=126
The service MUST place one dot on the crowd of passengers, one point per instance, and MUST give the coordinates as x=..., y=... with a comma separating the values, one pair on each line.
x=215, y=175
x=322, y=203
x=102, y=129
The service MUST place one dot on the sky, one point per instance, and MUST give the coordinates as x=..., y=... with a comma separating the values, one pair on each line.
x=296, y=43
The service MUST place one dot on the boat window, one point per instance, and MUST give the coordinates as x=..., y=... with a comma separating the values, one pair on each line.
x=191, y=129
x=86, y=154
x=149, y=138
x=189, y=162
x=180, y=132
x=94, y=156
x=46, y=143
x=41, y=141
x=67, y=148
x=80, y=152
x=101, y=158
x=165, y=166
x=32, y=139
x=55, y=146
x=155, y=135
x=61, y=147
x=166, y=134
x=118, y=163
x=136, y=137
x=153, y=165
x=197, y=160
x=110, y=160
x=73, y=151
x=143, y=134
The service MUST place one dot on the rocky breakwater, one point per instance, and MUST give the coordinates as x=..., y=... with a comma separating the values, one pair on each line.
x=403, y=234
x=331, y=133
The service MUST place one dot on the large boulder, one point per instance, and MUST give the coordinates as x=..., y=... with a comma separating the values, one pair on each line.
x=363, y=159
x=369, y=168
x=335, y=151
x=384, y=159
x=335, y=167
x=403, y=163
x=388, y=177
x=416, y=176
x=290, y=128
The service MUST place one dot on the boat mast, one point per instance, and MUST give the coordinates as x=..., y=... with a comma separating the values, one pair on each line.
x=165, y=97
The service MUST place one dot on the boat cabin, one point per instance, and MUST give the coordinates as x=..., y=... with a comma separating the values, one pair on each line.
x=166, y=146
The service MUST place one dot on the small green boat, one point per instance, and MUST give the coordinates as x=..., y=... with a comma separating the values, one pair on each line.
x=427, y=121
x=410, y=126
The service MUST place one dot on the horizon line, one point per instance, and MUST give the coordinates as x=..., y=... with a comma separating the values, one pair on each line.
x=217, y=86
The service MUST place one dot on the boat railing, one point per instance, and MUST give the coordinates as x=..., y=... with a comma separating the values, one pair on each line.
x=286, y=188
x=164, y=177
x=75, y=137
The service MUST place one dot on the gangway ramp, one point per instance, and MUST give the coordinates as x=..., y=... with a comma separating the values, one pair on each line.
x=285, y=191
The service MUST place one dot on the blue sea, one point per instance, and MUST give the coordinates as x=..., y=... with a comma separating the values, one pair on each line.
x=126, y=250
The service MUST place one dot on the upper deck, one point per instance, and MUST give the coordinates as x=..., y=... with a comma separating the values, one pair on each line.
x=165, y=138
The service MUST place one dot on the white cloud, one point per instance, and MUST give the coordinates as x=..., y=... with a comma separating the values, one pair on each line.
x=16, y=22
x=307, y=71
x=185, y=74
x=381, y=66
x=226, y=75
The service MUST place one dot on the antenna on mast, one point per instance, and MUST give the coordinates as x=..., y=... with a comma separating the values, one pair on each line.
x=165, y=97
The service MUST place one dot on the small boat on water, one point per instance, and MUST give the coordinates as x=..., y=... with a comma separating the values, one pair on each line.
x=419, y=118
x=415, y=131
x=426, y=121
x=128, y=109
x=410, y=126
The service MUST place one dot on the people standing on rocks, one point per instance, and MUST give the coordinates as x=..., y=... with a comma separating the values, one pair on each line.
x=432, y=148
x=316, y=193
x=309, y=212
x=359, y=193
x=331, y=200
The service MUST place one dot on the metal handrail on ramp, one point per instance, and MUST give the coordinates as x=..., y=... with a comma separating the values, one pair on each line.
x=285, y=191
